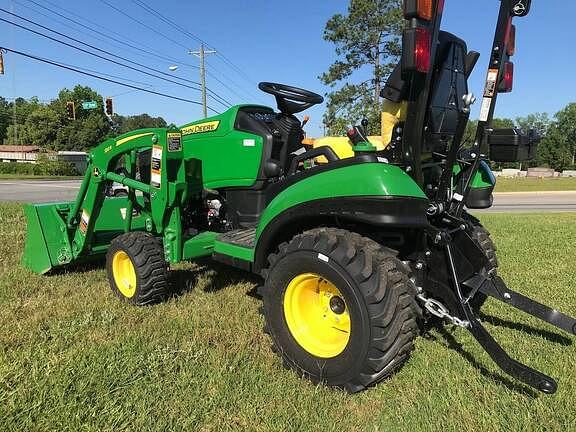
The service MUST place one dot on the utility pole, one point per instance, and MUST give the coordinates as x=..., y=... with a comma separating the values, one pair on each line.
x=202, y=55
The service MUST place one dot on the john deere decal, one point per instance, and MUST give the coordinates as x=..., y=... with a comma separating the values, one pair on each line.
x=201, y=128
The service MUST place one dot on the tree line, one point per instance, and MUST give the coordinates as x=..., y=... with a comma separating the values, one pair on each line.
x=46, y=125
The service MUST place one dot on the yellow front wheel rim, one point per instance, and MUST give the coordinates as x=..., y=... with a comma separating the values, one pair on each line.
x=124, y=274
x=317, y=315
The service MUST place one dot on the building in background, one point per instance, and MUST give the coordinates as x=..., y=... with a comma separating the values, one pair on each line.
x=19, y=153
x=32, y=154
x=76, y=158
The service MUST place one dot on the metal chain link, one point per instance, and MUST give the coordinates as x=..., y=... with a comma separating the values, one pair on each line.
x=439, y=310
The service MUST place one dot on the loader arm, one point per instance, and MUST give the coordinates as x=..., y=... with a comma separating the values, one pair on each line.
x=61, y=233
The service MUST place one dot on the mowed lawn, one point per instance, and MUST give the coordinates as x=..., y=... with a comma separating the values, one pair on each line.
x=73, y=358
x=535, y=184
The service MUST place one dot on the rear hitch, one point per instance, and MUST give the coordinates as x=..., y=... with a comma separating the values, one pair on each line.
x=495, y=287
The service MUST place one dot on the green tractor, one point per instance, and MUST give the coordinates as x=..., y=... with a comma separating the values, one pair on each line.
x=355, y=253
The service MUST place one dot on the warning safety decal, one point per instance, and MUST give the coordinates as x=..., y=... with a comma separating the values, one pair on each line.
x=174, y=141
x=490, y=89
x=84, y=220
x=156, y=167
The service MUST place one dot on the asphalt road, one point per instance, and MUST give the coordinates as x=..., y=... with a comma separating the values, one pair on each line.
x=533, y=202
x=38, y=191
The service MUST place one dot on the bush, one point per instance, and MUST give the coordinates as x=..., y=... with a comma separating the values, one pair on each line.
x=42, y=168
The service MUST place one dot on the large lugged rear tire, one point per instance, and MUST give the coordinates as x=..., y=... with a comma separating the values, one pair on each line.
x=137, y=270
x=482, y=237
x=340, y=308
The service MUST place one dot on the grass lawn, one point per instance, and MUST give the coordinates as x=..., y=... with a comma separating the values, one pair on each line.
x=535, y=185
x=73, y=358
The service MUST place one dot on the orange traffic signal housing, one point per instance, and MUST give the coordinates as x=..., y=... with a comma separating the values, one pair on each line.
x=71, y=110
x=109, y=107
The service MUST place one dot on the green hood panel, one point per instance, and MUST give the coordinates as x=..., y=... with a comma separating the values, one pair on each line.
x=367, y=179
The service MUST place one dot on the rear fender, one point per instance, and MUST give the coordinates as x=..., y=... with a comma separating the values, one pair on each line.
x=376, y=194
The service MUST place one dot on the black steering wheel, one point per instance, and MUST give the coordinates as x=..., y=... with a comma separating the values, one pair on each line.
x=291, y=100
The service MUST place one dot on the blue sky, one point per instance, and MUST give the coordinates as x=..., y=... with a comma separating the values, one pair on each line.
x=267, y=40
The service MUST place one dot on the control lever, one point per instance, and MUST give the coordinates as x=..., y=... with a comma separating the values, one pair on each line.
x=358, y=134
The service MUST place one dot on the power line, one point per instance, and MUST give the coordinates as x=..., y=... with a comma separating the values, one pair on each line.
x=170, y=22
x=217, y=98
x=85, y=44
x=149, y=53
x=186, y=32
x=73, y=69
x=143, y=24
x=238, y=70
x=231, y=89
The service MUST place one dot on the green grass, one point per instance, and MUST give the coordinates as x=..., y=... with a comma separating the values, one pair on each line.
x=535, y=184
x=73, y=358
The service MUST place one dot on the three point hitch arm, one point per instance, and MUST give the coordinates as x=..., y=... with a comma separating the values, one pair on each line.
x=454, y=240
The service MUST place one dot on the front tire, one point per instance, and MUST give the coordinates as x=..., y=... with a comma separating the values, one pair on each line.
x=136, y=268
x=340, y=309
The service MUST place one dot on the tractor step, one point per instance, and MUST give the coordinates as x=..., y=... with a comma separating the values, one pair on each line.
x=236, y=248
x=244, y=237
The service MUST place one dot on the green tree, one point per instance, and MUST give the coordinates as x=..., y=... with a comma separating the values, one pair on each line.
x=566, y=124
x=554, y=151
x=40, y=127
x=140, y=121
x=540, y=122
x=90, y=128
x=5, y=118
x=367, y=41
x=18, y=112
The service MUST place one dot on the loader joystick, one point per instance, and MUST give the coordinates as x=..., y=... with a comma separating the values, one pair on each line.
x=291, y=100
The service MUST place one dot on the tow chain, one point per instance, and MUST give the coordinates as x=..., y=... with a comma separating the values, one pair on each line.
x=439, y=310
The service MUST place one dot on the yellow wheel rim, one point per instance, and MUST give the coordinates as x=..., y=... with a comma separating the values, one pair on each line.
x=124, y=274
x=317, y=315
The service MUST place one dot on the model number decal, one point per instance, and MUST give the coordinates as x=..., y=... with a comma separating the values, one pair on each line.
x=485, y=110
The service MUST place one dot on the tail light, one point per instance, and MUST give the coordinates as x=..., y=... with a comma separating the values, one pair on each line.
x=416, y=50
x=422, y=9
x=511, y=41
x=507, y=83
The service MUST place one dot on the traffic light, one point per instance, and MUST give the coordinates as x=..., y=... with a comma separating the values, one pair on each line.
x=71, y=110
x=109, y=107
x=1, y=62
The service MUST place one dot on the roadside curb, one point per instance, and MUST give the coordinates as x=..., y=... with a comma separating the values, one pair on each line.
x=537, y=193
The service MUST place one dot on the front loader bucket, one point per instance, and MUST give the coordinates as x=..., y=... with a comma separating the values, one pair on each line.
x=47, y=245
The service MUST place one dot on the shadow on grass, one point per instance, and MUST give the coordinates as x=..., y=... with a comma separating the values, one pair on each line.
x=453, y=344
x=219, y=276
x=545, y=334
x=79, y=267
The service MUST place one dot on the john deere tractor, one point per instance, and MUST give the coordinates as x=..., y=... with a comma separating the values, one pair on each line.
x=356, y=248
